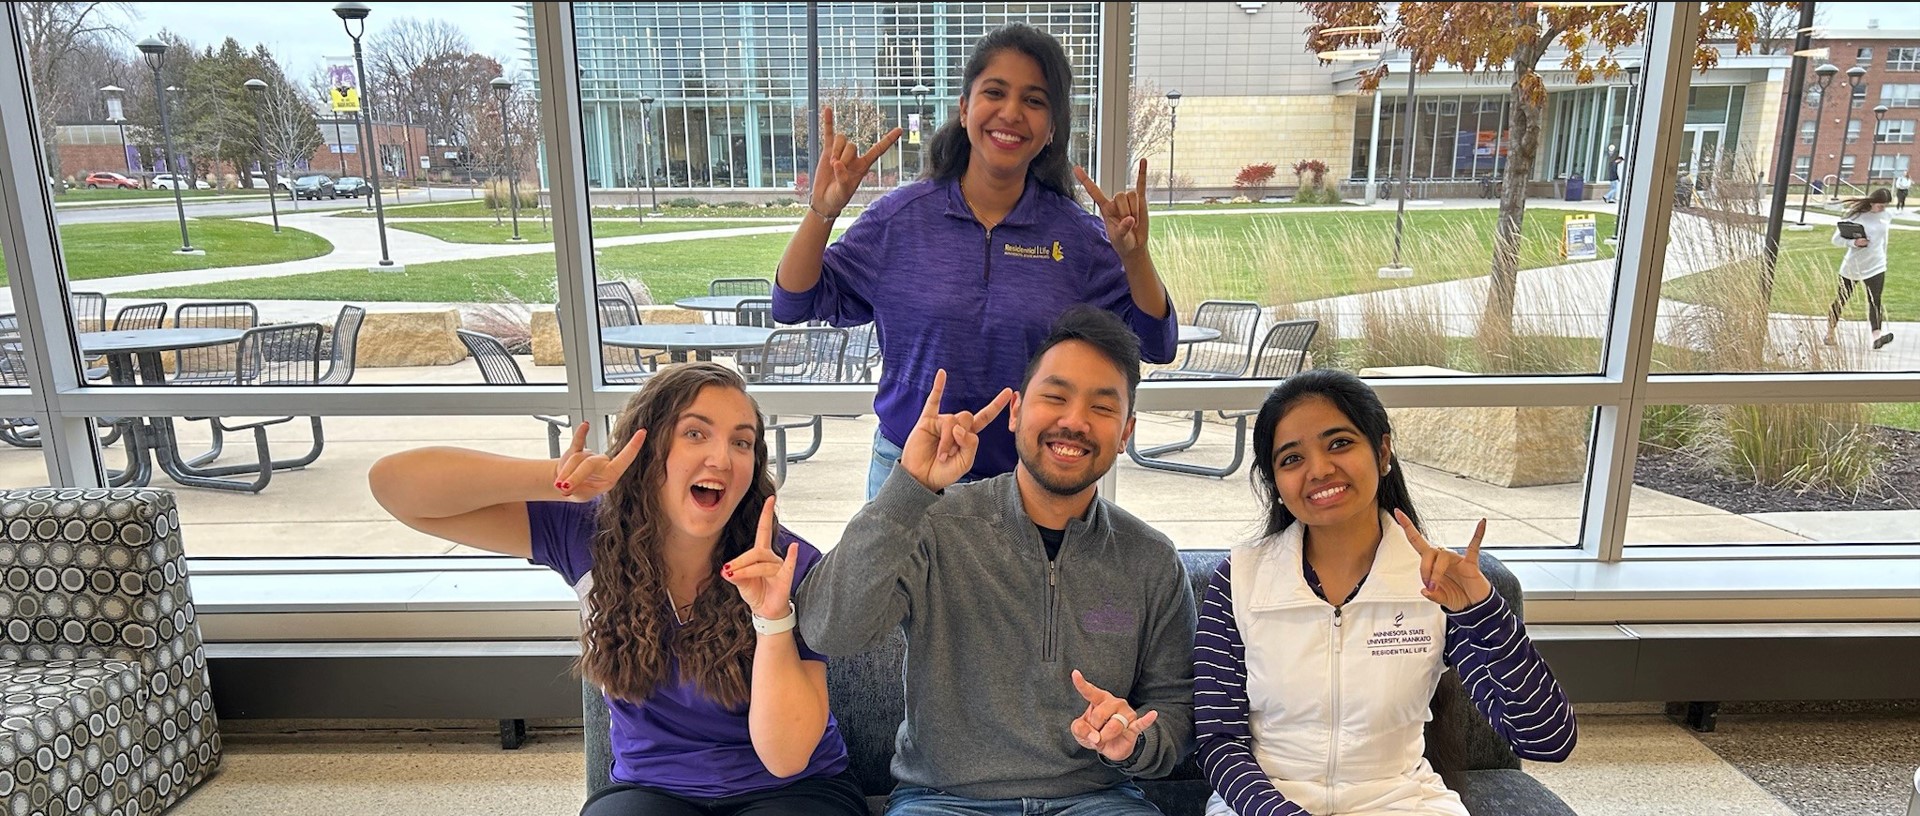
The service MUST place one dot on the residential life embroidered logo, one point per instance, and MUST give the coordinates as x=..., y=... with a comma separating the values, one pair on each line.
x=1109, y=619
x=1041, y=252
x=1400, y=640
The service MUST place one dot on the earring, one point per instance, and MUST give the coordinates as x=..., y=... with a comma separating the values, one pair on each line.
x=1388, y=471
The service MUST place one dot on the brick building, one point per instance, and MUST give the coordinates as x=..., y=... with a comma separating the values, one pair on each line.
x=87, y=147
x=1850, y=132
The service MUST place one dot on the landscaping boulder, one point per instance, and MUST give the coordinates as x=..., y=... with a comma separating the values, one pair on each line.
x=410, y=338
x=547, y=348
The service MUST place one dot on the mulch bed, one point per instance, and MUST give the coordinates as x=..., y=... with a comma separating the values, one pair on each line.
x=1680, y=473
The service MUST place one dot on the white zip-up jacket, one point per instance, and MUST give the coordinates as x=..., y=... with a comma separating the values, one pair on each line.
x=1304, y=708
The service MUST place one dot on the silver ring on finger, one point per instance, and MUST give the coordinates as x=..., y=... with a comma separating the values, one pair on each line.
x=1121, y=718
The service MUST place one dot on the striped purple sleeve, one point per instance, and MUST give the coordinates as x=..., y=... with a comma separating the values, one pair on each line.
x=1509, y=682
x=1224, y=743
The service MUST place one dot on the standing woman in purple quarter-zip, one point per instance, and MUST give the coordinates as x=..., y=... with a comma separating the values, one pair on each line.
x=1320, y=646
x=967, y=268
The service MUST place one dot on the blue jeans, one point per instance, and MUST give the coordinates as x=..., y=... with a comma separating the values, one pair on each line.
x=1124, y=799
x=885, y=456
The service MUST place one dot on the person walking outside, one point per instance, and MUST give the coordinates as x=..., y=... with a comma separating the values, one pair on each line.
x=1865, y=263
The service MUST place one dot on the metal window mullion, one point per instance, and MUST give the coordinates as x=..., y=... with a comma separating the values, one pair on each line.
x=561, y=127
x=1671, y=31
x=29, y=233
x=1114, y=80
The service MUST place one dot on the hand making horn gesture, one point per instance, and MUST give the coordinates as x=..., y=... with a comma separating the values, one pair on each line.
x=1109, y=725
x=1452, y=581
x=842, y=166
x=1125, y=214
x=580, y=475
x=765, y=580
x=942, y=446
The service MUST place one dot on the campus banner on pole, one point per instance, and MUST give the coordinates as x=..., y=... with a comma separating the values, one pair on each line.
x=1581, y=238
x=343, y=88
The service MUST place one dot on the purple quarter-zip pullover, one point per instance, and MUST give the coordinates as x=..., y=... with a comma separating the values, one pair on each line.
x=945, y=292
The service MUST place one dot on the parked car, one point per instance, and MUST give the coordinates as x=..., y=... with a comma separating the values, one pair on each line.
x=352, y=186
x=101, y=179
x=313, y=187
x=281, y=182
x=167, y=181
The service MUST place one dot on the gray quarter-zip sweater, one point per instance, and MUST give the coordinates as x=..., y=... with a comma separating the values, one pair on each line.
x=994, y=631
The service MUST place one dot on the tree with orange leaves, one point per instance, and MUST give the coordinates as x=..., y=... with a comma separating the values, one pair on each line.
x=1513, y=37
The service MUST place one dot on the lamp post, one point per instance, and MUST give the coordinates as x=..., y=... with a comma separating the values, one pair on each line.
x=1173, y=125
x=502, y=91
x=1856, y=91
x=258, y=91
x=920, y=91
x=1873, y=140
x=350, y=13
x=646, y=147
x=1823, y=77
x=116, y=114
x=155, y=53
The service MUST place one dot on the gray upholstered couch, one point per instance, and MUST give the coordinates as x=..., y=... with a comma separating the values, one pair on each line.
x=867, y=698
x=104, y=707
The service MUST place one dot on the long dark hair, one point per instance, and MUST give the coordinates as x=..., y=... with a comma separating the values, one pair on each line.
x=1446, y=747
x=950, y=151
x=1856, y=206
x=1360, y=405
x=628, y=641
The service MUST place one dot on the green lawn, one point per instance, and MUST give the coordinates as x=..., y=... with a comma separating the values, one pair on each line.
x=135, y=248
x=1294, y=257
x=80, y=194
x=477, y=208
x=484, y=232
x=670, y=271
x=1263, y=257
x=1806, y=278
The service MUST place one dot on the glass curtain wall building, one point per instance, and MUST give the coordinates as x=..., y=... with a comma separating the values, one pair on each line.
x=714, y=95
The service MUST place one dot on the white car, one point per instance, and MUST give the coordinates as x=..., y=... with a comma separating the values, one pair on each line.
x=166, y=181
x=284, y=183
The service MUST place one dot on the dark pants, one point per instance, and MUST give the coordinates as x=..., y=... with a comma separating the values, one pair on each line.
x=831, y=795
x=1875, y=314
x=1900, y=197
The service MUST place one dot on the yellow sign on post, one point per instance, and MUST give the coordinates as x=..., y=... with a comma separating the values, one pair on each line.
x=1580, y=238
x=343, y=85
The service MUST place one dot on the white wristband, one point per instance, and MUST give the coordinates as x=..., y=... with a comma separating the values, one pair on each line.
x=774, y=626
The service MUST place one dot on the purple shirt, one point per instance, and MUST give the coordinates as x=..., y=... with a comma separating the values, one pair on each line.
x=680, y=740
x=944, y=292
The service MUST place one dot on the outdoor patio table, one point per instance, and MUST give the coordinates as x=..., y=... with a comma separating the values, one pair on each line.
x=1196, y=334
x=701, y=339
x=715, y=303
x=133, y=357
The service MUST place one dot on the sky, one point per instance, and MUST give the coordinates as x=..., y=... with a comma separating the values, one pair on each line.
x=302, y=35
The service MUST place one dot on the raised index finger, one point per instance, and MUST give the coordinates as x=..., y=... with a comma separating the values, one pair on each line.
x=624, y=459
x=826, y=124
x=1414, y=537
x=765, y=539
x=1140, y=186
x=1473, y=547
x=932, y=408
x=985, y=417
x=1091, y=692
x=579, y=439
x=1099, y=198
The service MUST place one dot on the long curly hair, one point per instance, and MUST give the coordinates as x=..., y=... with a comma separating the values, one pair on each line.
x=950, y=151
x=628, y=641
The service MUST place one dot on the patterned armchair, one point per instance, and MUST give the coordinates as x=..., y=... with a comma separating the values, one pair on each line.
x=104, y=704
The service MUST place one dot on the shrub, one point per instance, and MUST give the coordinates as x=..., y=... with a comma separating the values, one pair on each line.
x=1253, y=179
x=684, y=201
x=783, y=202
x=736, y=203
x=496, y=195
x=1310, y=173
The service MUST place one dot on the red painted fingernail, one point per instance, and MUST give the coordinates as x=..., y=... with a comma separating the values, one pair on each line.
x=566, y=486
x=726, y=570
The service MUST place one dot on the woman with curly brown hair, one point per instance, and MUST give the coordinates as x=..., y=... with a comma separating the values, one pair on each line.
x=718, y=707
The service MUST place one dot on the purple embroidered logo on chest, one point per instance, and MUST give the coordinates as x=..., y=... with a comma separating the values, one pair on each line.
x=1108, y=619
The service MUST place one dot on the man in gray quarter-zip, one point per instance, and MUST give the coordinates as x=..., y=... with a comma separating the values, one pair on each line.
x=1049, y=632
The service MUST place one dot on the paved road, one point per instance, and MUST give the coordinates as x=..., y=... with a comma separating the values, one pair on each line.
x=162, y=209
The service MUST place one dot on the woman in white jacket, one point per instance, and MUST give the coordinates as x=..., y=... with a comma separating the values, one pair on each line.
x=1320, y=646
x=1865, y=263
